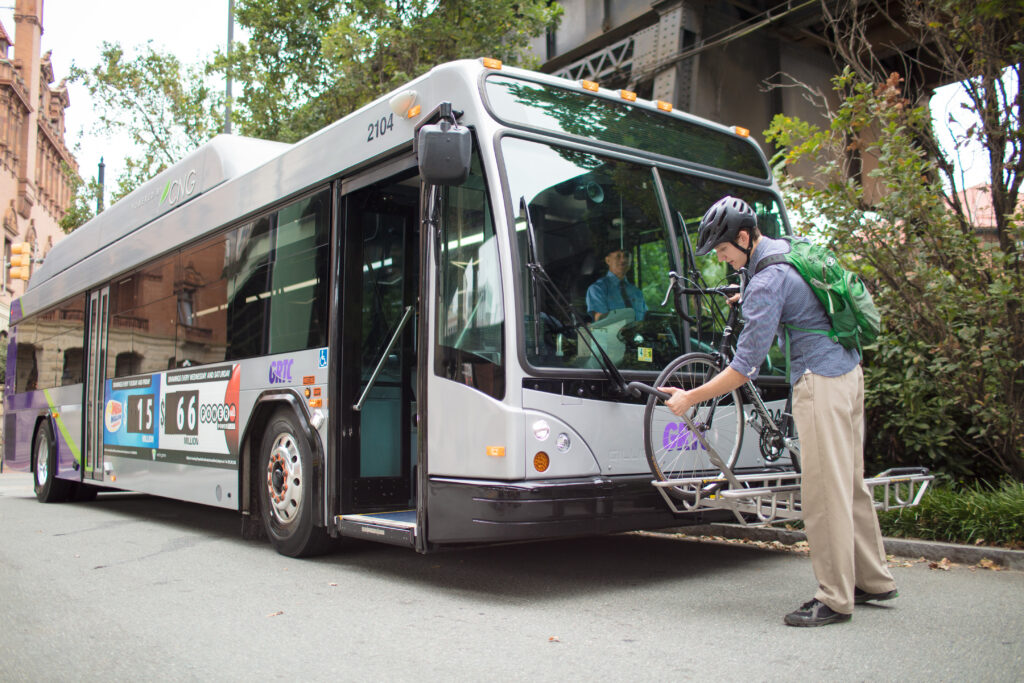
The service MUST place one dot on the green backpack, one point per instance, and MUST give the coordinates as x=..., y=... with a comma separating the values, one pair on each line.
x=855, y=320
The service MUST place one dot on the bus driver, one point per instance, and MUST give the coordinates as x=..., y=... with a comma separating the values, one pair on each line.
x=614, y=290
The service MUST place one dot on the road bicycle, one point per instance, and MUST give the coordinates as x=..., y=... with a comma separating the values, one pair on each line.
x=693, y=458
x=681, y=451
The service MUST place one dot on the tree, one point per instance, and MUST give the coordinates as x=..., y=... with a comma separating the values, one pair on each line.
x=945, y=382
x=165, y=108
x=308, y=64
x=83, y=200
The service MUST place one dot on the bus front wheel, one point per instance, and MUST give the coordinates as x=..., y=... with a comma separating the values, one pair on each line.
x=48, y=488
x=286, y=481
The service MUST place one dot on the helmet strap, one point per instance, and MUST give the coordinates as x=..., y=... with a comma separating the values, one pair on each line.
x=750, y=244
x=746, y=252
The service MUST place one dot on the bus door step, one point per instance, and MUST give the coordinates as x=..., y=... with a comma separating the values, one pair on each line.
x=395, y=528
x=773, y=497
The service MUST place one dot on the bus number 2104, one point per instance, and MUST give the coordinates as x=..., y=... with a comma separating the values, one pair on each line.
x=380, y=127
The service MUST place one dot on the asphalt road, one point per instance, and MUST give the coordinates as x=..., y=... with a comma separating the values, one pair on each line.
x=132, y=587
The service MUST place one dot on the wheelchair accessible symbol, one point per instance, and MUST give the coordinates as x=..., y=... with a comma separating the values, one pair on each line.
x=323, y=358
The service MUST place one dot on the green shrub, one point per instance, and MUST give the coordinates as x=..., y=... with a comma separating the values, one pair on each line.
x=980, y=513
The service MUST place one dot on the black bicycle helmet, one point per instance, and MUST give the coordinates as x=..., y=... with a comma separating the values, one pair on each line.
x=723, y=222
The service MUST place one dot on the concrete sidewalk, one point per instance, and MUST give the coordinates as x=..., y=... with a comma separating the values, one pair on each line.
x=900, y=547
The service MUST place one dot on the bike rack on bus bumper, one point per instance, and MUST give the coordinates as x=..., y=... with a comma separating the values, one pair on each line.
x=772, y=497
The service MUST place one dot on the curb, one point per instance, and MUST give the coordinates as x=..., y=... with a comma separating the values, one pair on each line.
x=900, y=547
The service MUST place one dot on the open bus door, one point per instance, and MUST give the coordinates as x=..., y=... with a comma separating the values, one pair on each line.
x=377, y=425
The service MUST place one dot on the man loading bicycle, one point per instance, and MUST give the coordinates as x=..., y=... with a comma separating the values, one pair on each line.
x=847, y=554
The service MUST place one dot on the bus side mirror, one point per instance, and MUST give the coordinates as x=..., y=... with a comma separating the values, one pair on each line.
x=445, y=153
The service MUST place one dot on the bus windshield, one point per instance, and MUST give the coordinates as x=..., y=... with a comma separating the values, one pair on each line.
x=601, y=235
x=526, y=103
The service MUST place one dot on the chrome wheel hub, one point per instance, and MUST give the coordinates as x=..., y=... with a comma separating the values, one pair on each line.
x=42, y=458
x=284, y=479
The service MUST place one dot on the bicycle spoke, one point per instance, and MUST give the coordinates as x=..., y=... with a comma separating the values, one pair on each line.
x=673, y=450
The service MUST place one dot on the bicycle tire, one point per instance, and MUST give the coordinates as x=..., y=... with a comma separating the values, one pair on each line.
x=672, y=451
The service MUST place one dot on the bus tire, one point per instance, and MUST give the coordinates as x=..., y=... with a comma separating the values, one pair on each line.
x=286, y=481
x=48, y=488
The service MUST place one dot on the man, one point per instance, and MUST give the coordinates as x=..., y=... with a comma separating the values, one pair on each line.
x=828, y=406
x=614, y=291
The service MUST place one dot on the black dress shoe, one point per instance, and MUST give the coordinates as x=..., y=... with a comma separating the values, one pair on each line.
x=815, y=613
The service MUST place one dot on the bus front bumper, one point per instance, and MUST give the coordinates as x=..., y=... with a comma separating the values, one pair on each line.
x=481, y=511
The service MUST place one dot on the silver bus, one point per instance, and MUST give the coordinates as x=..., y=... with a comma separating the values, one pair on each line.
x=377, y=332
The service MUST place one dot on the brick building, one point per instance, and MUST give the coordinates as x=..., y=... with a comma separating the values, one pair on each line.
x=34, y=191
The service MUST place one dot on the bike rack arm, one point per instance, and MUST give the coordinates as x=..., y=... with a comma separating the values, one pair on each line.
x=637, y=388
x=383, y=359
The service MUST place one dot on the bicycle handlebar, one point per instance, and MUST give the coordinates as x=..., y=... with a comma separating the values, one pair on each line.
x=726, y=291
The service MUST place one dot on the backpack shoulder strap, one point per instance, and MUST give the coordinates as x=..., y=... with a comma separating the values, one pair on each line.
x=770, y=260
x=773, y=259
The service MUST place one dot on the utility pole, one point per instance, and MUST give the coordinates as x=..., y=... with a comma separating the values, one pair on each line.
x=227, y=94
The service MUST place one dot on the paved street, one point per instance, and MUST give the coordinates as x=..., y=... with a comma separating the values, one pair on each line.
x=131, y=587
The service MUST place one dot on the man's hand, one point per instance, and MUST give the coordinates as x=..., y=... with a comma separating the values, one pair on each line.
x=680, y=401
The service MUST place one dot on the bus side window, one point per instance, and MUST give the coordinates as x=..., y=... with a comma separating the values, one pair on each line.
x=470, y=315
x=26, y=373
x=248, y=288
x=201, y=293
x=298, y=304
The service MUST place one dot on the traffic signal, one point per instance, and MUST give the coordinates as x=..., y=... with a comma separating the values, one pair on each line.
x=21, y=260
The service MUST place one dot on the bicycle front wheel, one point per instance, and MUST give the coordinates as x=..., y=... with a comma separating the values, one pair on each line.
x=673, y=451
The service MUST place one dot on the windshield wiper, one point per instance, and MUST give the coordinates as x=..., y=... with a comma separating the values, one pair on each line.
x=543, y=281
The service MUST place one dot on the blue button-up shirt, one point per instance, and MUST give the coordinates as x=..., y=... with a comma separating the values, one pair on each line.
x=606, y=295
x=779, y=295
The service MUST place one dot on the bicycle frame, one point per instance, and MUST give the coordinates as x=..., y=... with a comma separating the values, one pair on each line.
x=759, y=419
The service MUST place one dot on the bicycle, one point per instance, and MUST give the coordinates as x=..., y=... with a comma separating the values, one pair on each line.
x=680, y=451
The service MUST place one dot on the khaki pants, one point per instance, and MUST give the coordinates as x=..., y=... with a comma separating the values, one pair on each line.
x=839, y=514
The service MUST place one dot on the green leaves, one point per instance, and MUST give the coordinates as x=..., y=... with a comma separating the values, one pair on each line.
x=307, y=66
x=165, y=108
x=944, y=385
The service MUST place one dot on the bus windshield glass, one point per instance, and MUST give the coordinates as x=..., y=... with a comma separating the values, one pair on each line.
x=520, y=102
x=601, y=236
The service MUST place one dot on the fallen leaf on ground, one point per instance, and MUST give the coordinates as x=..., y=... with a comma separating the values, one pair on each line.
x=553, y=639
x=989, y=564
x=276, y=614
x=944, y=564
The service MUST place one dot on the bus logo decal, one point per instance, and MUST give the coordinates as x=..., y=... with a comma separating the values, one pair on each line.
x=678, y=437
x=179, y=188
x=281, y=371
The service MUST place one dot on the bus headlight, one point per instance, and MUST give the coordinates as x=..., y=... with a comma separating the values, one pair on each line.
x=541, y=430
x=563, y=442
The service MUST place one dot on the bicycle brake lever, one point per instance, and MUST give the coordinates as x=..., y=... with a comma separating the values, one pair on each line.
x=673, y=282
x=672, y=277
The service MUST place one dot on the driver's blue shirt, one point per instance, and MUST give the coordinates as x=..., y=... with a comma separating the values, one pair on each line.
x=606, y=295
x=779, y=295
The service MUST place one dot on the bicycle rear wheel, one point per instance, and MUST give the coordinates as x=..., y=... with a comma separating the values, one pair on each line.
x=673, y=451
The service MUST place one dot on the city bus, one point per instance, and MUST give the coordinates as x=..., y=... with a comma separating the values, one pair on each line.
x=382, y=331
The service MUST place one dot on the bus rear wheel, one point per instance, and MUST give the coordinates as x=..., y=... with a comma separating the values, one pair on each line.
x=48, y=488
x=286, y=481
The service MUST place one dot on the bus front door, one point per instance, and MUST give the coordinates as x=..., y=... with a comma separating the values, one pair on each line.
x=97, y=317
x=380, y=271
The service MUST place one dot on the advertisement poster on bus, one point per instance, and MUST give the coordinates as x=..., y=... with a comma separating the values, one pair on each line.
x=187, y=416
x=131, y=416
x=199, y=416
